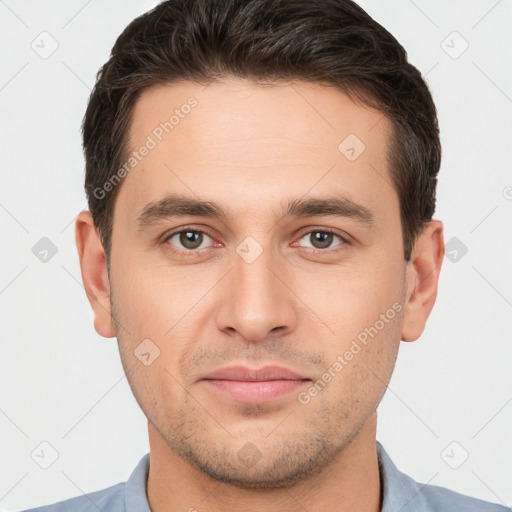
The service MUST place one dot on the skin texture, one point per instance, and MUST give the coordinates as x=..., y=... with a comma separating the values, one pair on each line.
x=251, y=148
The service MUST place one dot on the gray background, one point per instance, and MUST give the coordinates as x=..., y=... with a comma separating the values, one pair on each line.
x=450, y=396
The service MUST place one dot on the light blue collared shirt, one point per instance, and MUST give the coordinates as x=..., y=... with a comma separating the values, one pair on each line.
x=400, y=494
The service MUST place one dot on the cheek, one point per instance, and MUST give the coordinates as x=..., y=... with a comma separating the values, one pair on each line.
x=169, y=307
x=152, y=299
x=349, y=298
x=362, y=306
x=359, y=366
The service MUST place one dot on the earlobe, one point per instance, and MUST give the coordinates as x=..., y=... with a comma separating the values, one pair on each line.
x=422, y=279
x=93, y=267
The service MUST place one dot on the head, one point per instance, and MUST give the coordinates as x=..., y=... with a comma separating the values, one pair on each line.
x=261, y=182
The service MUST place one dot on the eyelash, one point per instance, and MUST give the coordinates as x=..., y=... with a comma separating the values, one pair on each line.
x=193, y=252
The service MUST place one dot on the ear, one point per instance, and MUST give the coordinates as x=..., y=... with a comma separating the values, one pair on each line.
x=422, y=276
x=93, y=266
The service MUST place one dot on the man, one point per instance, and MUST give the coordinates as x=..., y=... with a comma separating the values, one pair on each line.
x=261, y=180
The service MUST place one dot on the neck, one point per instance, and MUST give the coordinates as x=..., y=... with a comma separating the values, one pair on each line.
x=348, y=483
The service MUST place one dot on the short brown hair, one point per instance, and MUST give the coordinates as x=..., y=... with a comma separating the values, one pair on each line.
x=333, y=42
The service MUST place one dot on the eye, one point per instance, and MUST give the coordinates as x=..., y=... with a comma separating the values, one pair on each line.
x=321, y=239
x=188, y=239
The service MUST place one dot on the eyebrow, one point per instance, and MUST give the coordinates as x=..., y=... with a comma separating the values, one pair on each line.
x=175, y=205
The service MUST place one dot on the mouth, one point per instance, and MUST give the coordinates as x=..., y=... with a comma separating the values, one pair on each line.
x=255, y=385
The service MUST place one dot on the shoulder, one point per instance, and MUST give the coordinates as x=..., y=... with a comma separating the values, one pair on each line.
x=110, y=499
x=401, y=492
x=441, y=498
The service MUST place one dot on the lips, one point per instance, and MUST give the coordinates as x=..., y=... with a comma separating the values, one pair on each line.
x=255, y=385
x=242, y=373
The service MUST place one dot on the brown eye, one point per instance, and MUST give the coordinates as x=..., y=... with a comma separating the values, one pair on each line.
x=320, y=239
x=188, y=239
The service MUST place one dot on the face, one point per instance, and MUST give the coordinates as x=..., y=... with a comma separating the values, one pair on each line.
x=296, y=261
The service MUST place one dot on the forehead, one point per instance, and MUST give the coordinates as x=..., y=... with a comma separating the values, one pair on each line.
x=293, y=111
x=246, y=143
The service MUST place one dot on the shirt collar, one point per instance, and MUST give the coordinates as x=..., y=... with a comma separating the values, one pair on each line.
x=400, y=493
x=398, y=489
x=135, y=498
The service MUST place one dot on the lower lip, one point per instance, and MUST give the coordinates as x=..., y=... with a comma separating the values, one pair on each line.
x=256, y=391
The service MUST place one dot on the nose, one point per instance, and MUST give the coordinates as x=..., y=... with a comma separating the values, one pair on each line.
x=257, y=300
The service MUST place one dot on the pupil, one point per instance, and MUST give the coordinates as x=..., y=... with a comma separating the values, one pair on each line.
x=321, y=239
x=189, y=239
